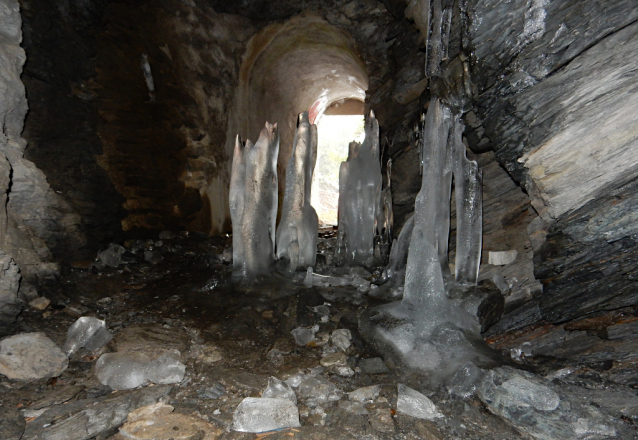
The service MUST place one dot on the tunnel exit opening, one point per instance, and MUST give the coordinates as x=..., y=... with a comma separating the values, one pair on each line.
x=340, y=124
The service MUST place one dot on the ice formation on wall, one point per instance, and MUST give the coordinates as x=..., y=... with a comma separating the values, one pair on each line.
x=385, y=217
x=253, y=203
x=297, y=231
x=428, y=329
x=359, y=198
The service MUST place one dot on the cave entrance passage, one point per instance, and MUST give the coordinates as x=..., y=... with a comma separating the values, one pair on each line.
x=341, y=124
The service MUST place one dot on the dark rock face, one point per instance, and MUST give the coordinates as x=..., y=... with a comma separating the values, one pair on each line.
x=61, y=127
x=557, y=88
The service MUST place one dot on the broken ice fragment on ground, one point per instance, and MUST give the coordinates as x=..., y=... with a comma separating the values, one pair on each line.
x=87, y=332
x=265, y=414
x=527, y=393
x=278, y=389
x=253, y=203
x=463, y=383
x=122, y=371
x=112, y=256
x=166, y=369
x=341, y=338
x=303, y=335
x=415, y=404
x=317, y=391
x=297, y=231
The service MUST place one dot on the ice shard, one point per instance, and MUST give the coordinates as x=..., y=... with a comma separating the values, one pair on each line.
x=468, y=184
x=359, y=199
x=395, y=269
x=297, y=233
x=253, y=203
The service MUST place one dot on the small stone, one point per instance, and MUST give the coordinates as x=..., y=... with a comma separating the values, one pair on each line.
x=158, y=422
x=502, y=258
x=334, y=360
x=40, y=303
x=353, y=407
x=373, y=366
x=365, y=394
x=31, y=356
x=344, y=371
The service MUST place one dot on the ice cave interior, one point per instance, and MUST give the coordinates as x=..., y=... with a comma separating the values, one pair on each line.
x=169, y=273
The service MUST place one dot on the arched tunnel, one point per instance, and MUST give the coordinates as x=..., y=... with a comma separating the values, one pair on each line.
x=119, y=313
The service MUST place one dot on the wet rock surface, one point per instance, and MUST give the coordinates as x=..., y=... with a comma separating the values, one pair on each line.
x=236, y=344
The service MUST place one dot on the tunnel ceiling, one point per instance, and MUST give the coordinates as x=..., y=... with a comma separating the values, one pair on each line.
x=304, y=64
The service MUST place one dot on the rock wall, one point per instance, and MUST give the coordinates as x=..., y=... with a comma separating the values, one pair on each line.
x=33, y=218
x=557, y=104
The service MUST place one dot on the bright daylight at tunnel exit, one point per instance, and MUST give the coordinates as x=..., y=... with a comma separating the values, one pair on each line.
x=374, y=220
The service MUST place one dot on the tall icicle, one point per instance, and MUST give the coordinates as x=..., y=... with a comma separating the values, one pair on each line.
x=253, y=203
x=297, y=233
x=468, y=183
x=359, y=194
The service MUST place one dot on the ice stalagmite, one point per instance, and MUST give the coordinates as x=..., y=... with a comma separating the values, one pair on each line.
x=253, y=203
x=468, y=183
x=359, y=195
x=429, y=330
x=299, y=225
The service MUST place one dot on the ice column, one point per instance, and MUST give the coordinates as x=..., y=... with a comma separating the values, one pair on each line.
x=468, y=184
x=359, y=198
x=298, y=229
x=253, y=203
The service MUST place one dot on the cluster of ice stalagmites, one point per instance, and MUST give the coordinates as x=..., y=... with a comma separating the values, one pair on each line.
x=253, y=203
x=297, y=231
x=428, y=329
x=359, y=199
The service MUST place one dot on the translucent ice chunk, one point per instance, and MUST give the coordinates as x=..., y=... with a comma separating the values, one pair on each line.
x=253, y=203
x=265, y=414
x=359, y=199
x=167, y=368
x=463, y=384
x=527, y=393
x=122, y=371
x=415, y=404
x=298, y=228
x=341, y=338
x=296, y=379
x=278, y=389
x=317, y=391
x=87, y=332
x=303, y=335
